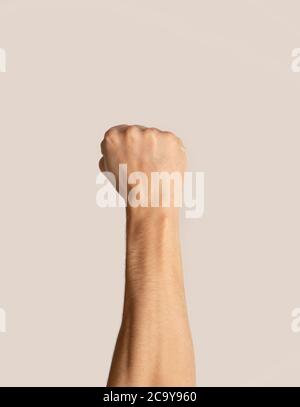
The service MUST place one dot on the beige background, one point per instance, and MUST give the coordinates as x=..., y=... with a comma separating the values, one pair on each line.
x=218, y=74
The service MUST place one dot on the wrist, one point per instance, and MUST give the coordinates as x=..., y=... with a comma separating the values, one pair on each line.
x=152, y=215
x=153, y=246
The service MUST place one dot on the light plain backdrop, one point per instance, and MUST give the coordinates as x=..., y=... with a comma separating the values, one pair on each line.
x=218, y=73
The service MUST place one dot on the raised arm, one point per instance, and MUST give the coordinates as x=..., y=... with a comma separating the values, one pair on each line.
x=154, y=346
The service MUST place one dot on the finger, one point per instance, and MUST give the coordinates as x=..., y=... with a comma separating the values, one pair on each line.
x=119, y=127
x=168, y=133
x=102, y=165
x=102, y=146
x=139, y=126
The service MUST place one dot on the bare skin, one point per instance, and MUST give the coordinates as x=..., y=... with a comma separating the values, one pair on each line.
x=154, y=345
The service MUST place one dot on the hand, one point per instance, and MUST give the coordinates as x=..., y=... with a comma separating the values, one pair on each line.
x=145, y=150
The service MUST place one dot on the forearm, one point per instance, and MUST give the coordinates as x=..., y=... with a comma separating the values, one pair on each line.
x=154, y=346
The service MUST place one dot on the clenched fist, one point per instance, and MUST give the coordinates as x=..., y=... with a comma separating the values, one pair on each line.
x=147, y=152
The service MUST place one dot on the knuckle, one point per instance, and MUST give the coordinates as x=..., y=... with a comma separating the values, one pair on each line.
x=110, y=135
x=133, y=128
x=174, y=138
x=148, y=133
x=151, y=132
x=172, y=135
x=108, y=132
x=132, y=132
x=171, y=138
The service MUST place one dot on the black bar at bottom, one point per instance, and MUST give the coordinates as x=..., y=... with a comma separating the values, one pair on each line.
x=139, y=396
